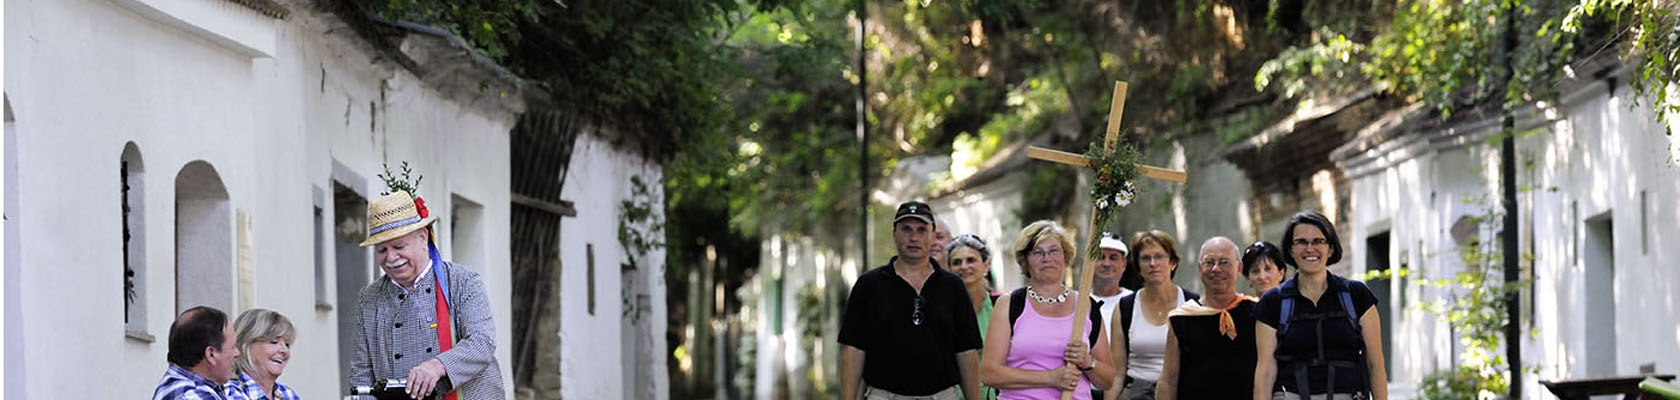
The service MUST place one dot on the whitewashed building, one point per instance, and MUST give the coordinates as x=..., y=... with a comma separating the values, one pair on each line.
x=1598, y=217
x=224, y=150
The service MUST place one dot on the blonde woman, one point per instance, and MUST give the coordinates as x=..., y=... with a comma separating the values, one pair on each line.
x=264, y=339
x=1028, y=355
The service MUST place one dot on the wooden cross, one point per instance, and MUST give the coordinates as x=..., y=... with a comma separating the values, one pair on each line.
x=1110, y=139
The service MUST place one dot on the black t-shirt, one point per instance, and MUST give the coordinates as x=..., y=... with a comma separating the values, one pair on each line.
x=902, y=356
x=1210, y=365
x=1341, y=341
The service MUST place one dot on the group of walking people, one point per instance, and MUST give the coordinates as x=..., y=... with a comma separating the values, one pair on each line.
x=930, y=325
x=425, y=322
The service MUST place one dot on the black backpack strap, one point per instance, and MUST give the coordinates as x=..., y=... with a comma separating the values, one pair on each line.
x=1017, y=304
x=1352, y=315
x=1124, y=308
x=1096, y=319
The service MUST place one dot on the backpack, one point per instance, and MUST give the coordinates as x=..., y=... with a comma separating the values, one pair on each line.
x=1018, y=305
x=1300, y=365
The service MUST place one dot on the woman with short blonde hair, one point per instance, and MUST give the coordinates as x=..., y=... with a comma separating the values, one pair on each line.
x=1028, y=355
x=264, y=338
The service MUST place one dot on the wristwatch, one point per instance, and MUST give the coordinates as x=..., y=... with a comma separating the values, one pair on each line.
x=1090, y=367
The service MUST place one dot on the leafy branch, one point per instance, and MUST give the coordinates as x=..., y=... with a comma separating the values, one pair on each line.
x=394, y=183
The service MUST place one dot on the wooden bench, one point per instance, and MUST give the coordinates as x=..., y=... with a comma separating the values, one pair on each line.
x=1580, y=389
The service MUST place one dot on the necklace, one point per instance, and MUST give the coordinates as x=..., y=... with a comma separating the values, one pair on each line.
x=1048, y=300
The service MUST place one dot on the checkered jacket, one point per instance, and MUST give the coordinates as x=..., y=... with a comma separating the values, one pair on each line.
x=397, y=333
x=244, y=387
x=182, y=384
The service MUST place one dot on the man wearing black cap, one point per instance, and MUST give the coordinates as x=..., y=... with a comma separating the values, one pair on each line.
x=908, y=330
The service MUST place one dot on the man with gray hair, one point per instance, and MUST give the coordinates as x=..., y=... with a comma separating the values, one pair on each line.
x=941, y=238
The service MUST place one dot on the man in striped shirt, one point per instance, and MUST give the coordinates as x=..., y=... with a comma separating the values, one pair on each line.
x=201, y=353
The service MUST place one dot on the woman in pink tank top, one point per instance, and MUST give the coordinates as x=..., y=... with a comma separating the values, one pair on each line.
x=1032, y=358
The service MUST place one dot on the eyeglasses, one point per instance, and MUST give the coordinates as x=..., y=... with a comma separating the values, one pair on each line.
x=1210, y=263
x=916, y=316
x=1042, y=254
x=1153, y=257
x=1314, y=242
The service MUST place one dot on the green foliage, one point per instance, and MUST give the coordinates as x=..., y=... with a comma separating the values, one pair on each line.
x=394, y=183
x=1115, y=186
x=1654, y=48
x=1312, y=67
x=1448, y=54
x=489, y=25
x=639, y=223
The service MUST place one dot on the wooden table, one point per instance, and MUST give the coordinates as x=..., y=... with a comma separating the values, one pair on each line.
x=1580, y=389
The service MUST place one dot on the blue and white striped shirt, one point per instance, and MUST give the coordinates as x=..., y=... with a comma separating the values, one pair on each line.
x=246, y=388
x=182, y=384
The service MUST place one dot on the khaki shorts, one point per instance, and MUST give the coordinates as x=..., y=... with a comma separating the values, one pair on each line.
x=950, y=393
x=1337, y=396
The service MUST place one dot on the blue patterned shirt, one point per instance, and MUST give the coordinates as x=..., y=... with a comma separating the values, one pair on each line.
x=182, y=384
x=246, y=388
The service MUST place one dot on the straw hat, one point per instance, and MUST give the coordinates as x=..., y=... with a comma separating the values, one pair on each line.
x=393, y=215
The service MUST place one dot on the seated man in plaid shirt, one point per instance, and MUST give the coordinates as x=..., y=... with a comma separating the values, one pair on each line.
x=201, y=353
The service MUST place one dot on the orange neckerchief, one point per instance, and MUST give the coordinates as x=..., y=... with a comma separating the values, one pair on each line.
x=1227, y=326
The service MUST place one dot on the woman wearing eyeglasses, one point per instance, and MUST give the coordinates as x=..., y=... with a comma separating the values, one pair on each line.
x=969, y=258
x=1141, y=330
x=1028, y=355
x=1318, y=333
x=1263, y=264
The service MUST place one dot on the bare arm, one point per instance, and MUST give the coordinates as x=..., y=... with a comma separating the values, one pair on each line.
x=1167, y=387
x=1117, y=349
x=993, y=372
x=1265, y=367
x=1103, y=375
x=851, y=371
x=1370, y=327
x=969, y=366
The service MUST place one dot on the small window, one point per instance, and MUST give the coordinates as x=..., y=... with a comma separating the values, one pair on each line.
x=322, y=302
x=133, y=203
x=466, y=236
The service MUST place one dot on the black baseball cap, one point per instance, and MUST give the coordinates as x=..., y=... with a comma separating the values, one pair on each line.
x=914, y=209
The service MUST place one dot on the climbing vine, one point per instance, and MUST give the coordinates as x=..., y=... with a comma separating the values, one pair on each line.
x=639, y=230
x=1475, y=306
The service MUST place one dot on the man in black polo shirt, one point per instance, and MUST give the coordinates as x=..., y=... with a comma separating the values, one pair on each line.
x=909, y=330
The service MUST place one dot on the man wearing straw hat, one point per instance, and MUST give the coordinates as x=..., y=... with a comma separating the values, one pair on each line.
x=426, y=320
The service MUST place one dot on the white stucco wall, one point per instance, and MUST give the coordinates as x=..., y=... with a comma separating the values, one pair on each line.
x=591, y=365
x=1602, y=159
x=1594, y=160
x=987, y=211
x=86, y=77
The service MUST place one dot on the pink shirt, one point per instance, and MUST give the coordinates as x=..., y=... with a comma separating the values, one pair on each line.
x=1037, y=344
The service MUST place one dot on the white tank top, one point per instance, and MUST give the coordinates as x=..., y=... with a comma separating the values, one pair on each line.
x=1149, y=343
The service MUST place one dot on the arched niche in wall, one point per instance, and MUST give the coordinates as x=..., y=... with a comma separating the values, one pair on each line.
x=203, y=239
